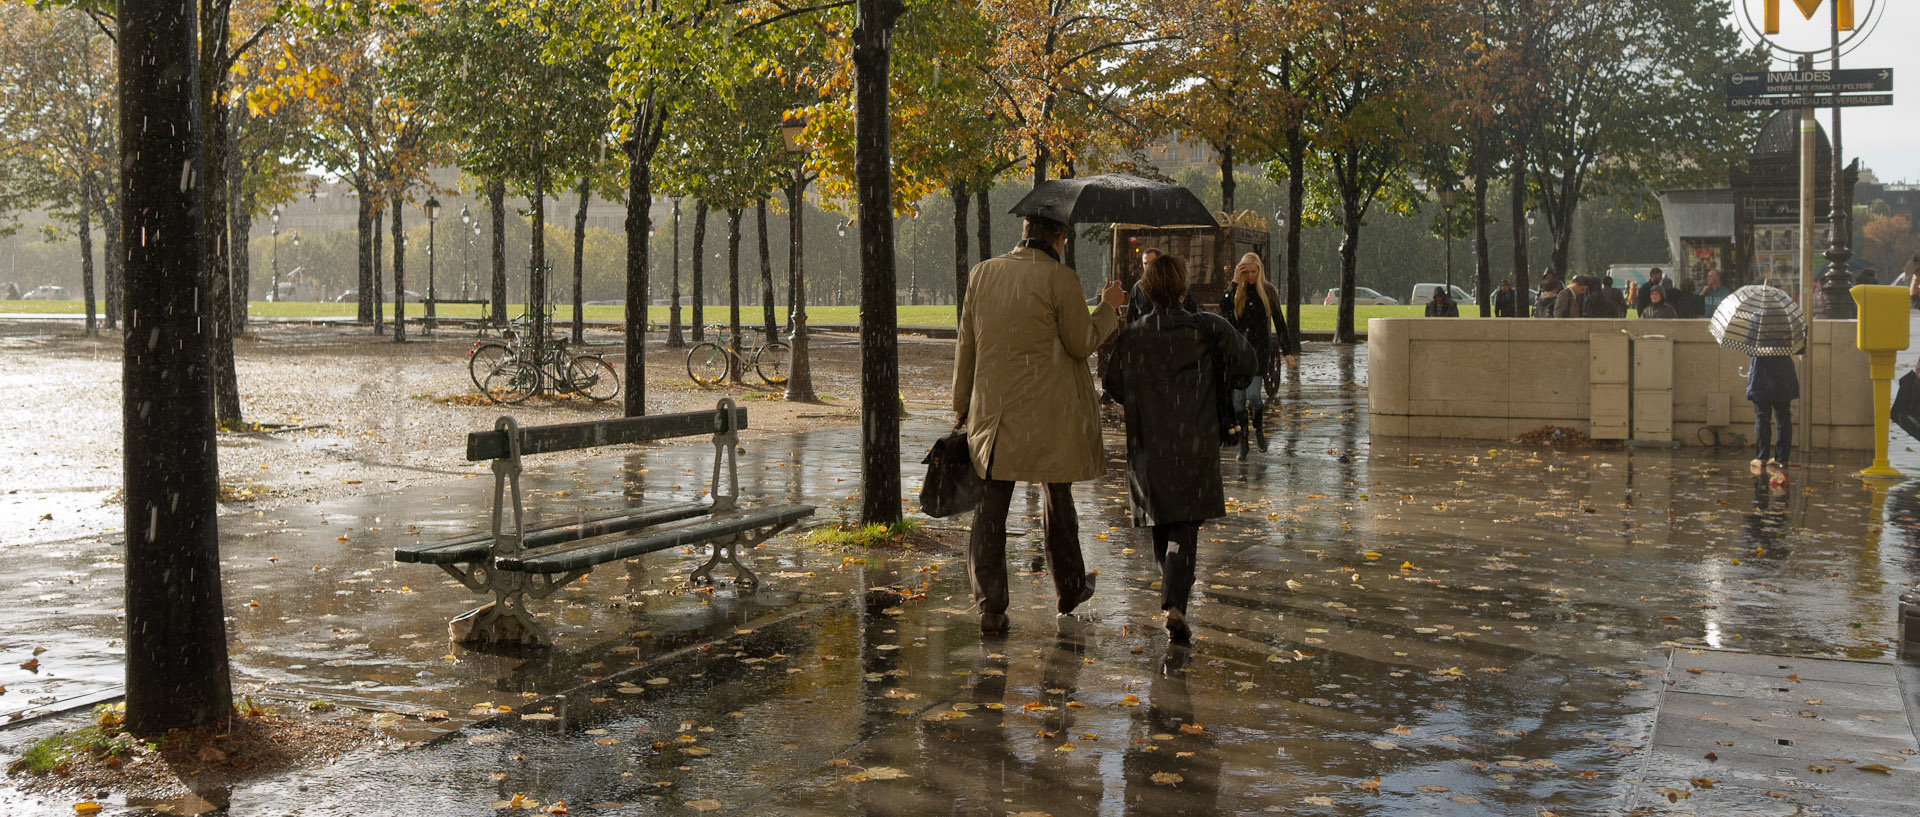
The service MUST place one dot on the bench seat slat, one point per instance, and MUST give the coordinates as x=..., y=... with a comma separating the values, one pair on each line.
x=588, y=554
x=478, y=546
x=492, y=445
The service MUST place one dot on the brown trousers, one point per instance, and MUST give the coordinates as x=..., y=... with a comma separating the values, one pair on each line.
x=987, y=546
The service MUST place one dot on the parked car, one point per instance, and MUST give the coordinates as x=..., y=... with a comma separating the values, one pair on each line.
x=352, y=296
x=46, y=292
x=1423, y=293
x=1361, y=295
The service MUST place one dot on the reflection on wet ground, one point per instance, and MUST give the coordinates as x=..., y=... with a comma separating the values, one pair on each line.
x=1383, y=627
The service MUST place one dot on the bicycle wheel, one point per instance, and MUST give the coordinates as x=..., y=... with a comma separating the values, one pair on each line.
x=771, y=362
x=483, y=360
x=513, y=381
x=592, y=377
x=707, y=363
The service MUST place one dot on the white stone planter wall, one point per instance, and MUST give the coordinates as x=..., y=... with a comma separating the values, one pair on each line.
x=1495, y=378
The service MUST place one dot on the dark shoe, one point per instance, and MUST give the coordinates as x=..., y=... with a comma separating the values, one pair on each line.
x=994, y=624
x=1260, y=430
x=1242, y=456
x=1230, y=437
x=1177, y=630
x=1067, y=605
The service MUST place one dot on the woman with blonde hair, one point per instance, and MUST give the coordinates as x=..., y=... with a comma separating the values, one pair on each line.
x=1166, y=370
x=1252, y=305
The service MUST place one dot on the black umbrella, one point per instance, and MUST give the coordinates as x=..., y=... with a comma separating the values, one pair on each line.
x=1906, y=404
x=1114, y=198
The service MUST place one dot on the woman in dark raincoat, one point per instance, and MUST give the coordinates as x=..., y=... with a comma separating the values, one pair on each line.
x=1166, y=369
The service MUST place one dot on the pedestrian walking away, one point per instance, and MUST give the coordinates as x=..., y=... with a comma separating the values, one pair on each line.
x=1503, y=300
x=1251, y=305
x=1165, y=370
x=1772, y=386
x=1022, y=388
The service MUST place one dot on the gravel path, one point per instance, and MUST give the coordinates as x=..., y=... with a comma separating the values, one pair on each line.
x=368, y=415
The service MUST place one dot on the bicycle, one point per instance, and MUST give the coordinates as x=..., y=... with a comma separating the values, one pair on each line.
x=709, y=362
x=512, y=373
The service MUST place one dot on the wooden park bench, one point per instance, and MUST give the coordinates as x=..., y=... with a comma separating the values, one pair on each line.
x=486, y=311
x=515, y=562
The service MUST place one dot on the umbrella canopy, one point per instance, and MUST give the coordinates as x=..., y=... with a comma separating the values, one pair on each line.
x=1114, y=198
x=1906, y=404
x=1761, y=321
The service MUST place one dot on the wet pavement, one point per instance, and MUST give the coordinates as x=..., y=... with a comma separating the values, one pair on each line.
x=1382, y=627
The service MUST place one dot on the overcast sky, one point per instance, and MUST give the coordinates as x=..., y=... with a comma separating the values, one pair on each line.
x=1885, y=138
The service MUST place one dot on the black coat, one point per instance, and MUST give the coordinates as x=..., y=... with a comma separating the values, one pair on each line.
x=1167, y=371
x=1259, y=328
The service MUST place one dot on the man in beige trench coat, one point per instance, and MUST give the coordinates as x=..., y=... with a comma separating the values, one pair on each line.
x=1022, y=388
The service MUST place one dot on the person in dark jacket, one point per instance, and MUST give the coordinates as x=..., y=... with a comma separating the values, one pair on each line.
x=1166, y=369
x=1253, y=306
x=1644, y=294
x=1772, y=385
x=1503, y=300
x=1441, y=306
x=1657, y=305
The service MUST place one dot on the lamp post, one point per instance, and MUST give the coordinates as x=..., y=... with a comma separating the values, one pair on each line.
x=466, y=222
x=800, y=378
x=1447, y=197
x=433, y=214
x=295, y=275
x=673, y=306
x=274, y=217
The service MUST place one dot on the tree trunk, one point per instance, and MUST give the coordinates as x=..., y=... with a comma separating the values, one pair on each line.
x=1347, y=178
x=537, y=275
x=365, y=226
x=86, y=250
x=1226, y=176
x=239, y=218
x=176, y=653
x=497, y=204
x=115, y=268
x=226, y=386
x=958, y=190
x=1070, y=257
x=646, y=139
x=800, y=376
x=1482, y=262
x=399, y=275
x=733, y=291
x=873, y=188
x=1517, y=216
x=579, y=259
x=1296, y=210
x=766, y=273
x=242, y=221
x=699, y=269
x=982, y=213
x=379, y=276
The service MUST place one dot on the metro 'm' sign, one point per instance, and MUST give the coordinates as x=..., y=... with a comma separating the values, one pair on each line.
x=1842, y=12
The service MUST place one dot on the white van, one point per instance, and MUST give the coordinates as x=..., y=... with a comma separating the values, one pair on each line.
x=1422, y=293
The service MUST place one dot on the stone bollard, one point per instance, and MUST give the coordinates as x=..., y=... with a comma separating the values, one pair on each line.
x=1910, y=620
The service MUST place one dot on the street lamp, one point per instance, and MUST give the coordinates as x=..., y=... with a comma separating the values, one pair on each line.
x=793, y=126
x=433, y=214
x=466, y=221
x=295, y=275
x=274, y=216
x=1447, y=197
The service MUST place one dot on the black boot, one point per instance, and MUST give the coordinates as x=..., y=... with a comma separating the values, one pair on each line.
x=1245, y=438
x=1259, y=426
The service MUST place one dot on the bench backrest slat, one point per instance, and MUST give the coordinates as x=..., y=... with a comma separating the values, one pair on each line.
x=491, y=445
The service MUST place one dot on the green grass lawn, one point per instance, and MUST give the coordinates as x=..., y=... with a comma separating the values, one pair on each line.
x=1313, y=317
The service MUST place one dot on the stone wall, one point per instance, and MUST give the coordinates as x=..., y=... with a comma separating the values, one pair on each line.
x=1493, y=378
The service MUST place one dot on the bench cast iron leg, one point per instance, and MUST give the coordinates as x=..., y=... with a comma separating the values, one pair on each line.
x=726, y=550
x=505, y=620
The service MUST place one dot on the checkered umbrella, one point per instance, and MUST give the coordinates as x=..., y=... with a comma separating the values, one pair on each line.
x=1761, y=321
